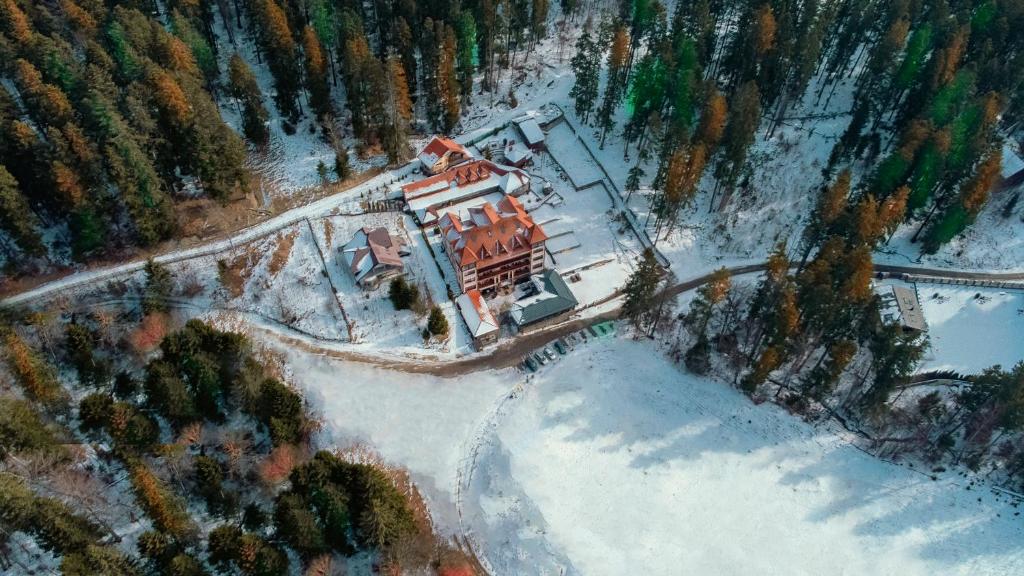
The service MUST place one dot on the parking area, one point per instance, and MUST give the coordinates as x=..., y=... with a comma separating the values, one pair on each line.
x=554, y=351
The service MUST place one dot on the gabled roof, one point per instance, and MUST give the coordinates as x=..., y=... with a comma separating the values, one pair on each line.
x=552, y=296
x=462, y=182
x=491, y=231
x=438, y=148
x=476, y=313
x=369, y=248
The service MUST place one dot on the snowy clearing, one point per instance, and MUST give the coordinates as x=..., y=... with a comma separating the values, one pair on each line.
x=420, y=422
x=972, y=328
x=613, y=462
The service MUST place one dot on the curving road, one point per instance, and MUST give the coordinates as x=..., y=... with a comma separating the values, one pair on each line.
x=511, y=352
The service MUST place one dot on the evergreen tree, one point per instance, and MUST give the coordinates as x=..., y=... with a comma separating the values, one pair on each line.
x=159, y=285
x=641, y=291
x=617, y=60
x=15, y=217
x=316, y=74
x=398, y=111
x=739, y=134
x=244, y=87
x=437, y=324
x=586, y=66
x=447, y=81
x=467, y=46
x=279, y=47
x=80, y=343
x=341, y=166
x=831, y=206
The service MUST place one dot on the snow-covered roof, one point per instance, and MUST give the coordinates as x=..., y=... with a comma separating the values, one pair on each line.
x=369, y=248
x=461, y=183
x=530, y=129
x=476, y=313
x=438, y=148
x=550, y=296
x=1012, y=162
x=899, y=304
x=517, y=153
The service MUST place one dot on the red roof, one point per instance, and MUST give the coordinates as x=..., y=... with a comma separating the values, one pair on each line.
x=439, y=146
x=491, y=233
x=461, y=175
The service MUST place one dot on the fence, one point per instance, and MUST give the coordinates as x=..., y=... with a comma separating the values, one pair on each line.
x=613, y=191
x=979, y=282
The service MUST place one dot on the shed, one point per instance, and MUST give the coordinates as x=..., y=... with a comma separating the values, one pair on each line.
x=530, y=131
x=911, y=317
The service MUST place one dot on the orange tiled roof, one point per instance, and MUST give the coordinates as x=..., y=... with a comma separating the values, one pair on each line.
x=491, y=232
x=439, y=146
x=462, y=174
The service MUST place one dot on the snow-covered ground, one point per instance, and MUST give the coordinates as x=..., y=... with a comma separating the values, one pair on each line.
x=994, y=243
x=421, y=422
x=613, y=461
x=971, y=329
x=374, y=320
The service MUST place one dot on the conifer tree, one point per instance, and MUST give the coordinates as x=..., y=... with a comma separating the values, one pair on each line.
x=538, y=20
x=406, y=47
x=964, y=209
x=244, y=87
x=279, y=47
x=586, y=65
x=831, y=206
x=682, y=177
x=316, y=74
x=397, y=110
x=157, y=291
x=744, y=117
x=618, y=57
x=437, y=324
x=15, y=217
x=447, y=81
x=465, y=28
x=641, y=291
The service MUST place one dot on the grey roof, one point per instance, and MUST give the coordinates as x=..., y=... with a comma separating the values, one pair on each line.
x=530, y=130
x=554, y=298
x=911, y=315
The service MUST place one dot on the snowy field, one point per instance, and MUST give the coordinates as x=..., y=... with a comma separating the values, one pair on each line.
x=972, y=328
x=612, y=461
x=423, y=423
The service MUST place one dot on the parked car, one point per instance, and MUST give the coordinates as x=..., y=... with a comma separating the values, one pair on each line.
x=540, y=358
x=549, y=353
x=530, y=364
x=592, y=331
x=560, y=347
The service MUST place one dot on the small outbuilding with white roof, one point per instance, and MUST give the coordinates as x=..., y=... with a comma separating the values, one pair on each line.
x=531, y=132
x=481, y=323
